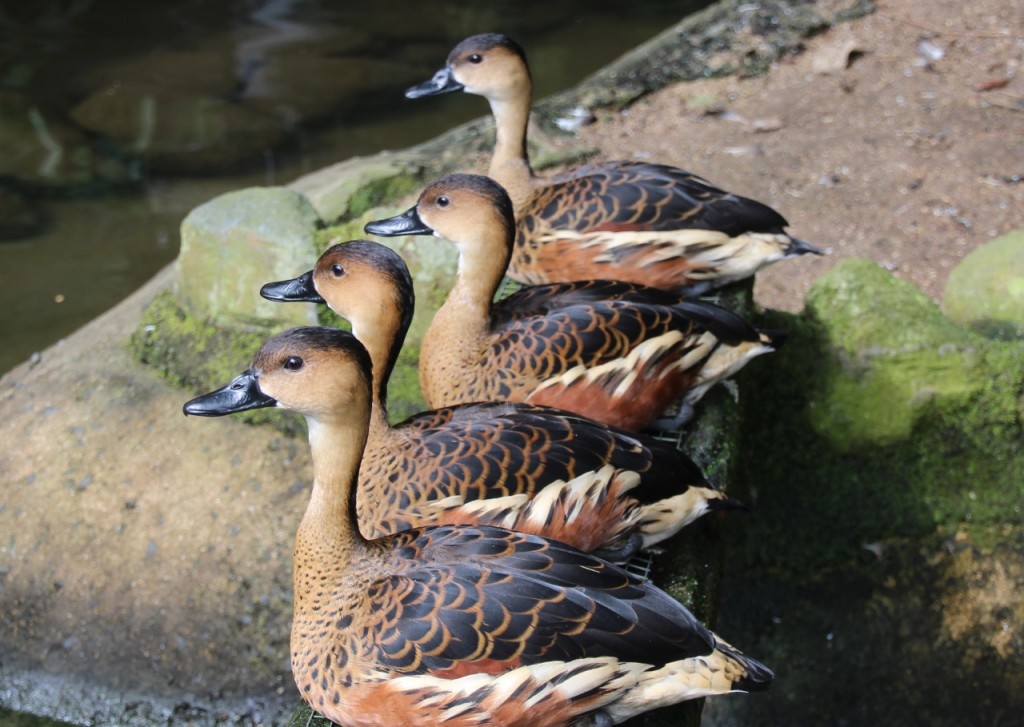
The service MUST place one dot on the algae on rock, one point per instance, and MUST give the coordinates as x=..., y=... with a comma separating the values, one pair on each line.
x=878, y=419
x=985, y=292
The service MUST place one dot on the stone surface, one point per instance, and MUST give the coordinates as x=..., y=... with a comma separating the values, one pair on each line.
x=922, y=632
x=888, y=422
x=347, y=189
x=145, y=564
x=985, y=292
x=881, y=567
x=898, y=357
x=179, y=130
x=233, y=244
x=41, y=149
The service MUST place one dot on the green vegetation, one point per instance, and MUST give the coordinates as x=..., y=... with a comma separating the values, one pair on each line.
x=199, y=356
x=879, y=419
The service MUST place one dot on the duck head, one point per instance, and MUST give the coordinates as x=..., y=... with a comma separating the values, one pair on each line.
x=472, y=211
x=319, y=372
x=360, y=280
x=490, y=65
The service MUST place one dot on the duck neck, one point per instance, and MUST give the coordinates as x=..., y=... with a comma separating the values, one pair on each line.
x=510, y=164
x=481, y=267
x=381, y=326
x=383, y=344
x=454, y=343
x=330, y=519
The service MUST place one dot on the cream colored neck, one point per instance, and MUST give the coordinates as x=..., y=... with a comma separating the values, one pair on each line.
x=510, y=164
x=453, y=345
x=337, y=447
x=376, y=337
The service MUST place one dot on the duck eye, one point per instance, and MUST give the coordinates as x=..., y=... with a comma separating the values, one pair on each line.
x=337, y=270
x=443, y=201
x=476, y=58
x=293, y=363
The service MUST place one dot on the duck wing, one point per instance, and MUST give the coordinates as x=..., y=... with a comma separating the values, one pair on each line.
x=490, y=450
x=639, y=196
x=543, y=299
x=492, y=600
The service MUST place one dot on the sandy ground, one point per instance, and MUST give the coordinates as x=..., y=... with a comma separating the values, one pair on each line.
x=898, y=137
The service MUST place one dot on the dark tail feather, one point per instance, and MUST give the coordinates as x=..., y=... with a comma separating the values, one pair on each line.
x=775, y=339
x=758, y=677
x=728, y=503
x=729, y=327
x=802, y=247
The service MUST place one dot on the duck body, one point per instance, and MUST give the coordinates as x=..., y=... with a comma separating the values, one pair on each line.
x=646, y=223
x=529, y=468
x=616, y=361
x=458, y=625
x=613, y=351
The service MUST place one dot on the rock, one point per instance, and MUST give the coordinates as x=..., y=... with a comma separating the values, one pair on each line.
x=899, y=357
x=235, y=243
x=347, y=189
x=878, y=419
x=985, y=292
x=180, y=131
x=166, y=581
x=906, y=627
x=40, y=149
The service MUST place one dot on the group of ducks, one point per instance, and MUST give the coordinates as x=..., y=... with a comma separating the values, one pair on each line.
x=460, y=568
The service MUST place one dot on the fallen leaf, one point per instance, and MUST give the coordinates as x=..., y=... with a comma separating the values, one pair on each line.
x=832, y=59
x=770, y=124
x=990, y=84
x=747, y=150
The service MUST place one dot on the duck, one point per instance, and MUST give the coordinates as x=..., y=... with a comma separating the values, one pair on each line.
x=624, y=220
x=622, y=359
x=480, y=451
x=457, y=625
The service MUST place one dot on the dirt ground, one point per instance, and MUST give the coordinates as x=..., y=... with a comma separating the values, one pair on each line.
x=898, y=137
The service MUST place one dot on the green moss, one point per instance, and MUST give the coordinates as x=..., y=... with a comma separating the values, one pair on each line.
x=844, y=446
x=380, y=191
x=867, y=310
x=199, y=356
x=404, y=395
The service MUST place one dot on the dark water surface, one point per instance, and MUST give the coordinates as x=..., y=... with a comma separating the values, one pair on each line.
x=118, y=117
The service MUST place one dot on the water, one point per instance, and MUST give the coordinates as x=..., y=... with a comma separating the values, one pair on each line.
x=321, y=80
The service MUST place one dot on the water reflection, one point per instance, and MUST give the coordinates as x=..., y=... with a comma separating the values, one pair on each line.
x=117, y=117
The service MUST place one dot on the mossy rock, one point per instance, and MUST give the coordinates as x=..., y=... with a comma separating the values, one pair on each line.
x=235, y=243
x=985, y=292
x=199, y=356
x=345, y=191
x=897, y=357
x=878, y=419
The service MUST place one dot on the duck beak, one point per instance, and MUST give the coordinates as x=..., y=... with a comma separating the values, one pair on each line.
x=442, y=82
x=407, y=223
x=242, y=394
x=300, y=289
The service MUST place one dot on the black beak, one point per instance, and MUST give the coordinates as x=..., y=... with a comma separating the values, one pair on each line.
x=442, y=82
x=300, y=289
x=242, y=394
x=407, y=223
